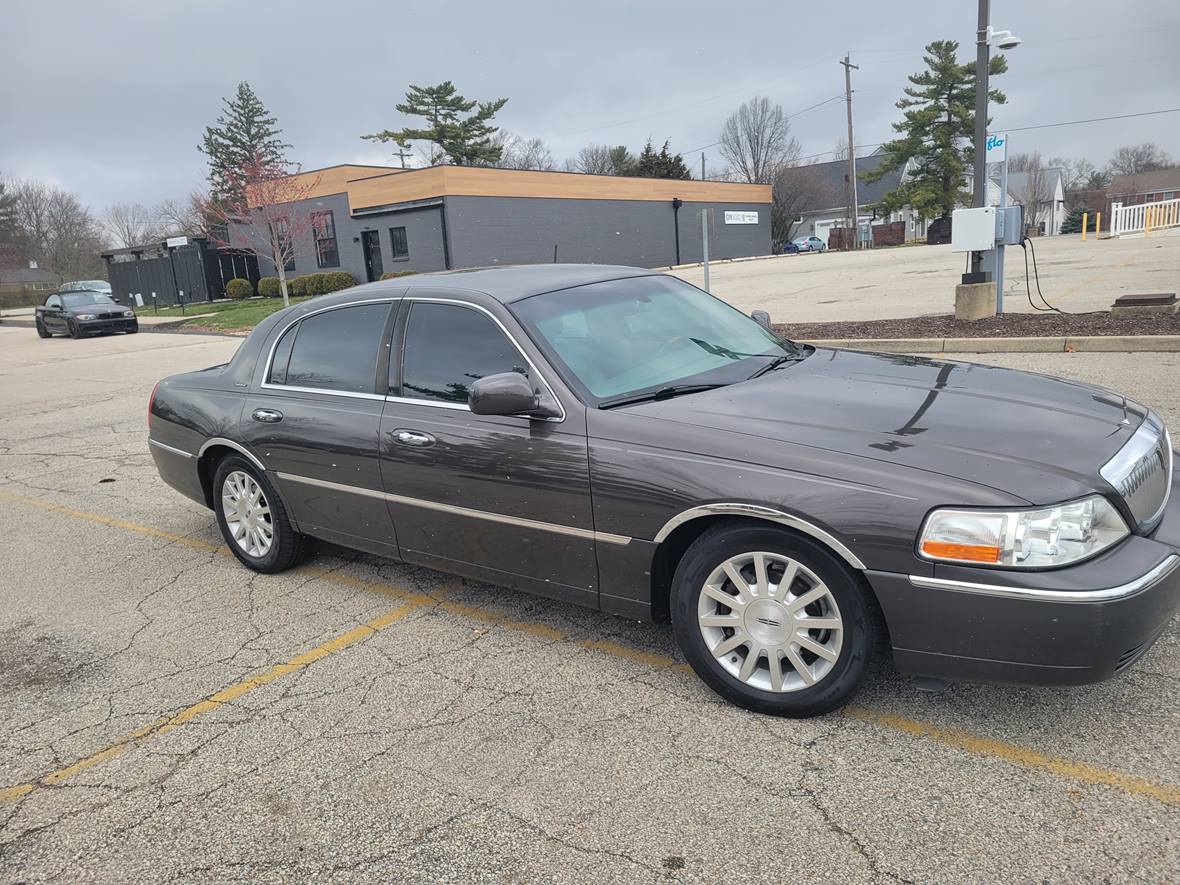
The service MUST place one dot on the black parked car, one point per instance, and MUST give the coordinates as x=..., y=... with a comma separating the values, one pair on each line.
x=83, y=312
x=622, y=440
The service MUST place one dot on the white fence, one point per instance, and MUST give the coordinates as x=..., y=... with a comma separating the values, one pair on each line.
x=1144, y=217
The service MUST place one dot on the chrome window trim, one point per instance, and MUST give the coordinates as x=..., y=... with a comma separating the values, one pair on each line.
x=770, y=514
x=511, y=338
x=265, y=384
x=1122, y=591
x=167, y=448
x=573, y=531
x=222, y=441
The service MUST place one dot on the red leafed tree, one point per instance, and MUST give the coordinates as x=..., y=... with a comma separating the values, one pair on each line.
x=271, y=220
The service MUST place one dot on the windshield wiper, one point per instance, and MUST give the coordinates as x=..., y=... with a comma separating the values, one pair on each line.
x=780, y=361
x=663, y=393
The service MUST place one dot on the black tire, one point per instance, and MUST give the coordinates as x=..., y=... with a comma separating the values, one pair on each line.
x=133, y=329
x=863, y=629
x=288, y=547
x=42, y=332
x=74, y=329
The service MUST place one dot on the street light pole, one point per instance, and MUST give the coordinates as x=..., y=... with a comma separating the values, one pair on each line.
x=982, y=62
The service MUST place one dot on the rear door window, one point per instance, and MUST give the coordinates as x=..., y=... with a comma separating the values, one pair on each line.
x=336, y=350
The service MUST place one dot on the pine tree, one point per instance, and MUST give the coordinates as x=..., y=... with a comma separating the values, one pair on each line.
x=664, y=164
x=245, y=133
x=461, y=140
x=1073, y=221
x=936, y=134
x=10, y=233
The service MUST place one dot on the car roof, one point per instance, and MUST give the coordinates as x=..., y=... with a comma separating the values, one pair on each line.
x=512, y=282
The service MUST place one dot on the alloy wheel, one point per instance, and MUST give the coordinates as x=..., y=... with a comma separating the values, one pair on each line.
x=770, y=622
x=247, y=513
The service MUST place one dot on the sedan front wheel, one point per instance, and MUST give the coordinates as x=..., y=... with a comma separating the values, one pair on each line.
x=772, y=621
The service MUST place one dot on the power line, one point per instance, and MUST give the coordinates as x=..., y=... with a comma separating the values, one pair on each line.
x=1091, y=120
x=789, y=117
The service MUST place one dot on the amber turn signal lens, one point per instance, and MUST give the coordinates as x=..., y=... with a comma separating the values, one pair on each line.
x=968, y=552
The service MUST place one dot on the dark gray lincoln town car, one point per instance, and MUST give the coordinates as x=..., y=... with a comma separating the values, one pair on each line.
x=620, y=439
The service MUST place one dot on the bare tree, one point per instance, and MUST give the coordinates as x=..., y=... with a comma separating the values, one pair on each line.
x=183, y=217
x=57, y=230
x=1035, y=193
x=133, y=224
x=602, y=159
x=271, y=219
x=756, y=140
x=796, y=190
x=1074, y=172
x=840, y=151
x=1134, y=159
x=522, y=153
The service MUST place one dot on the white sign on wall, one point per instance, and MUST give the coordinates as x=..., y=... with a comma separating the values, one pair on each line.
x=176, y=242
x=997, y=147
x=741, y=217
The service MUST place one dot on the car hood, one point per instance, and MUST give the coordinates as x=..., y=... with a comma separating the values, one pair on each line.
x=95, y=308
x=1037, y=438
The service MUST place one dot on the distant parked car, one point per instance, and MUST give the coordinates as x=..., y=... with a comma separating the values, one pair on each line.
x=809, y=244
x=790, y=247
x=79, y=313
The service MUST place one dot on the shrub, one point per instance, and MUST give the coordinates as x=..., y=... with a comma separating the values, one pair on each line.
x=237, y=289
x=336, y=280
x=394, y=274
x=297, y=287
x=268, y=287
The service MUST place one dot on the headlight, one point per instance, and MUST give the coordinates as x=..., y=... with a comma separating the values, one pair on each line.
x=128, y=313
x=1040, y=538
x=83, y=316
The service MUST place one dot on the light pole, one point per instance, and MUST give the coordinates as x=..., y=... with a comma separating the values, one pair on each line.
x=984, y=36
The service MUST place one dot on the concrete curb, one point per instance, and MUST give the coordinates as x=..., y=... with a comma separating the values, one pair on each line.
x=1076, y=344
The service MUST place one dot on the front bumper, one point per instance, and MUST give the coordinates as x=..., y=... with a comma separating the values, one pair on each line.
x=122, y=324
x=1069, y=626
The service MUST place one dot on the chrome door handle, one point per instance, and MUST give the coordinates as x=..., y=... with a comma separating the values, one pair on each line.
x=267, y=416
x=413, y=438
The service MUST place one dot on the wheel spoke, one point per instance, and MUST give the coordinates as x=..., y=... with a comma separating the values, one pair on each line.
x=811, y=645
x=726, y=646
x=761, y=581
x=749, y=664
x=775, y=663
x=820, y=623
x=784, y=585
x=720, y=620
x=800, y=666
x=739, y=583
x=719, y=595
x=816, y=593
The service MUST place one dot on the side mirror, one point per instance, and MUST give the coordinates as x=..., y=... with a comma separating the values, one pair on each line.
x=761, y=317
x=508, y=393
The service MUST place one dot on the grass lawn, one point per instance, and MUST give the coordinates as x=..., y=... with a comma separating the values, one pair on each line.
x=226, y=314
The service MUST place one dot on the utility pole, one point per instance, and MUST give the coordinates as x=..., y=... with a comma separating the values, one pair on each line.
x=401, y=155
x=702, y=165
x=850, y=191
x=982, y=62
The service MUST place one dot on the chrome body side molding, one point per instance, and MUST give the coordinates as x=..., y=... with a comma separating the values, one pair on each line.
x=228, y=443
x=769, y=514
x=1123, y=591
x=173, y=450
x=574, y=531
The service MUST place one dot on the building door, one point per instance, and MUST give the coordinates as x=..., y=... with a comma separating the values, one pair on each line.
x=371, y=244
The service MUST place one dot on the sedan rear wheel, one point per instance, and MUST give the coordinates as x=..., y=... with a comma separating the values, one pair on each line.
x=772, y=621
x=253, y=520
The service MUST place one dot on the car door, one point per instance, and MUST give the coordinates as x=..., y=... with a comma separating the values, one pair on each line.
x=501, y=498
x=53, y=316
x=313, y=414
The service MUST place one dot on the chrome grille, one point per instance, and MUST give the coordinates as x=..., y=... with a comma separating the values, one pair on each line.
x=1141, y=471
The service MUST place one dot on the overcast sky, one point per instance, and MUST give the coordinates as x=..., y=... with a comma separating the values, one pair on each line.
x=109, y=100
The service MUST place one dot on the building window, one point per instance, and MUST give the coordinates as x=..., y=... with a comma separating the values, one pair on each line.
x=323, y=227
x=401, y=247
x=282, y=229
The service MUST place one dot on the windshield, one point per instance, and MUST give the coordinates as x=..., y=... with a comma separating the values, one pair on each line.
x=625, y=337
x=78, y=299
x=87, y=285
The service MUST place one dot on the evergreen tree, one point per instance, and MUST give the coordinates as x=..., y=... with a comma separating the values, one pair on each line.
x=9, y=230
x=245, y=133
x=936, y=134
x=1073, y=221
x=462, y=140
x=664, y=164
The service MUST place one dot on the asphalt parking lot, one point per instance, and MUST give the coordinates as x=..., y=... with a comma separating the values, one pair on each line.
x=171, y=716
x=879, y=284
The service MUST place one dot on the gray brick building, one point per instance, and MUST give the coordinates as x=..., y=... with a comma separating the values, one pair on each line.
x=371, y=220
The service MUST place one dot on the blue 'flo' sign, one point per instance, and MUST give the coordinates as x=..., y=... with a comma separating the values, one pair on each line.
x=997, y=147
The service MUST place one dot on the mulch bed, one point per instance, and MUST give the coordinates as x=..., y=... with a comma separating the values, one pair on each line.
x=1009, y=325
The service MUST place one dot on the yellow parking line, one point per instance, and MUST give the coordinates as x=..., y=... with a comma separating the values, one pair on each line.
x=1013, y=754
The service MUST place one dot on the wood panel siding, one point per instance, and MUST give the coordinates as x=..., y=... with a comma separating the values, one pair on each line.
x=368, y=186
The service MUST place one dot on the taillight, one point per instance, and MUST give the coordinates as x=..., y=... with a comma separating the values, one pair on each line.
x=152, y=402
